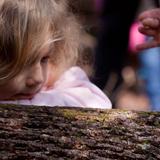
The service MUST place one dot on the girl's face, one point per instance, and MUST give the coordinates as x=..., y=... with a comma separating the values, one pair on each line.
x=29, y=81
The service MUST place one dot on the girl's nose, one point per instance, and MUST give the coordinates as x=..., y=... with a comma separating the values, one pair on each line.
x=32, y=82
x=35, y=77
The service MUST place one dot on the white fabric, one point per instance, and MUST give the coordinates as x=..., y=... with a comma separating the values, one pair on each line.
x=72, y=89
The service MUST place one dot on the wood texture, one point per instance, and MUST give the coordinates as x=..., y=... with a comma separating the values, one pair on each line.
x=62, y=133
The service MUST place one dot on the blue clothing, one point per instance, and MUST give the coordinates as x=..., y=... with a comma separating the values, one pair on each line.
x=150, y=72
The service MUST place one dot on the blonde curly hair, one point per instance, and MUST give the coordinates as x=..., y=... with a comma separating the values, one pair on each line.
x=24, y=25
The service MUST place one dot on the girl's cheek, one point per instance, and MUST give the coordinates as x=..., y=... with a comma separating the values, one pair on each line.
x=48, y=76
x=50, y=80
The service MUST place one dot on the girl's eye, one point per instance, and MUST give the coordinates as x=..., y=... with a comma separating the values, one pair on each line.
x=45, y=59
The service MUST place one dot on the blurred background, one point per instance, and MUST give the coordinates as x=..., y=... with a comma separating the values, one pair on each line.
x=130, y=79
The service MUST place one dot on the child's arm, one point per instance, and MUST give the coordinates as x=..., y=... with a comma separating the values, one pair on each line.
x=150, y=26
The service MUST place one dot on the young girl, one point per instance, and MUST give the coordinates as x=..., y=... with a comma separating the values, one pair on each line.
x=39, y=44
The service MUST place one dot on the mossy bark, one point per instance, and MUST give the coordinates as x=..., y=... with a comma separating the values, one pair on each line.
x=62, y=133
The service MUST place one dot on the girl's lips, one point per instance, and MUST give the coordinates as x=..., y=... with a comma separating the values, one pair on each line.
x=27, y=95
x=24, y=96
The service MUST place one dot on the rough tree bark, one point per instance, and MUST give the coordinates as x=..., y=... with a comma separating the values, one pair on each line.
x=46, y=133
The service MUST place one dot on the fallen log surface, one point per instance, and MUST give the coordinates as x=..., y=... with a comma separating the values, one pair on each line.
x=63, y=133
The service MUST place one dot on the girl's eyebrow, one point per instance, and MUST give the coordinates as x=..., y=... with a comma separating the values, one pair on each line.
x=49, y=51
x=32, y=59
x=51, y=41
x=50, y=44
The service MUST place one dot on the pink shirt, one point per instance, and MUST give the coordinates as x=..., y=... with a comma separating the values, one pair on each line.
x=72, y=89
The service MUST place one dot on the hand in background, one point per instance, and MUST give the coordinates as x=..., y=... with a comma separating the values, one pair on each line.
x=150, y=26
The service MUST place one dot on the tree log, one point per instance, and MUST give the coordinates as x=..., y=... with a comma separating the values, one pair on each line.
x=63, y=133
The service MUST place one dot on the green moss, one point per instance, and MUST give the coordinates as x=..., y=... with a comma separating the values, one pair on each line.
x=83, y=115
x=144, y=146
x=70, y=113
x=148, y=114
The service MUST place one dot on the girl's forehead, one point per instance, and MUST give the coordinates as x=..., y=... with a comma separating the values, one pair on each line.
x=39, y=44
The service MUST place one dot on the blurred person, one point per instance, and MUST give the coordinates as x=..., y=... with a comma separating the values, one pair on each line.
x=150, y=55
x=116, y=18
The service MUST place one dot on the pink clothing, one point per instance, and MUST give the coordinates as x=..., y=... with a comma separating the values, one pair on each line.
x=135, y=37
x=72, y=89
